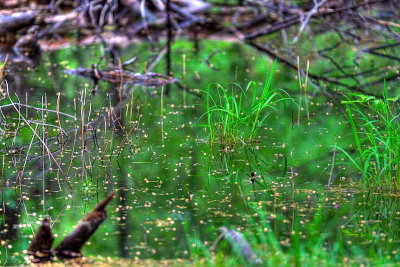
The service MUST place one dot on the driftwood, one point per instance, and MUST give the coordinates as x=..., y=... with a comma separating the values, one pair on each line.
x=39, y=250
x=70, y=246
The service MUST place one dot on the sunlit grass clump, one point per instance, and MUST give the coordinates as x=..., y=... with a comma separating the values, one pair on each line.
x=235, y=114
x=375, y=125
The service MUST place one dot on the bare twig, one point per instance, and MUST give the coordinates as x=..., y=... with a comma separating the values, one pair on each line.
x=38, y=109
x=307, y=18
x=37, y=135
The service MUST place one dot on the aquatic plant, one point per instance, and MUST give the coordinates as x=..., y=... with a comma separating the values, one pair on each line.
x=375, y=127
x=235, y=115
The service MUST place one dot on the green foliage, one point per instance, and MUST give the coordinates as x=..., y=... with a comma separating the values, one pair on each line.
x=235, y=115
x=376, y=128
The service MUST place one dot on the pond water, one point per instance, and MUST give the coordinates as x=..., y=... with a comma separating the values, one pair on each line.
x=174, y=189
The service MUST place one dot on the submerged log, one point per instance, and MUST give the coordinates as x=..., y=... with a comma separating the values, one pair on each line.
x=149, y=79
x=39, y=250
x=70, y=246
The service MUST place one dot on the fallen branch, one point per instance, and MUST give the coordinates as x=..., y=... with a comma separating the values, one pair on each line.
x=17, y=20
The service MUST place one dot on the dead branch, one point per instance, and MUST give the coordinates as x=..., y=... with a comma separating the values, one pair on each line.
x=297, y=18
x=15, y=21
x=207, y=61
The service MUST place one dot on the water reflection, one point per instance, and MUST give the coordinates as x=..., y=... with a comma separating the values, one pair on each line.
x=171, y=188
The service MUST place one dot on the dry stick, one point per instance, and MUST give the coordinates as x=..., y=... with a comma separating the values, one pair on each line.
x=38, y=109
x=382, y=22
x=184, y=78
x=143, y=14
x=75, y=138
x=35, y=133
x=27, y=153
x=59, y=124
x=26, y=102
x=22, y=173
x=311, y=75
x=16, y=131
x=61, y=211
x=307, y=19
x=121, y=82
x=43, y=161
x=207, y=61
x=332, y=166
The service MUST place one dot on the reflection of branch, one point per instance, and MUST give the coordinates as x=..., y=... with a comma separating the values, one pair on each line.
x=383, y=46
x=340, y=68
x=372, y=50
x=207, y=61
x=382, y=55
x=42, y=124
x=311, y=75
x=291, y=65
x=379, y=81
x=41, y=140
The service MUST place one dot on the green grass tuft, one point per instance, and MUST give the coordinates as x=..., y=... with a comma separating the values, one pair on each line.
x=236, y=115
x=375, y=126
